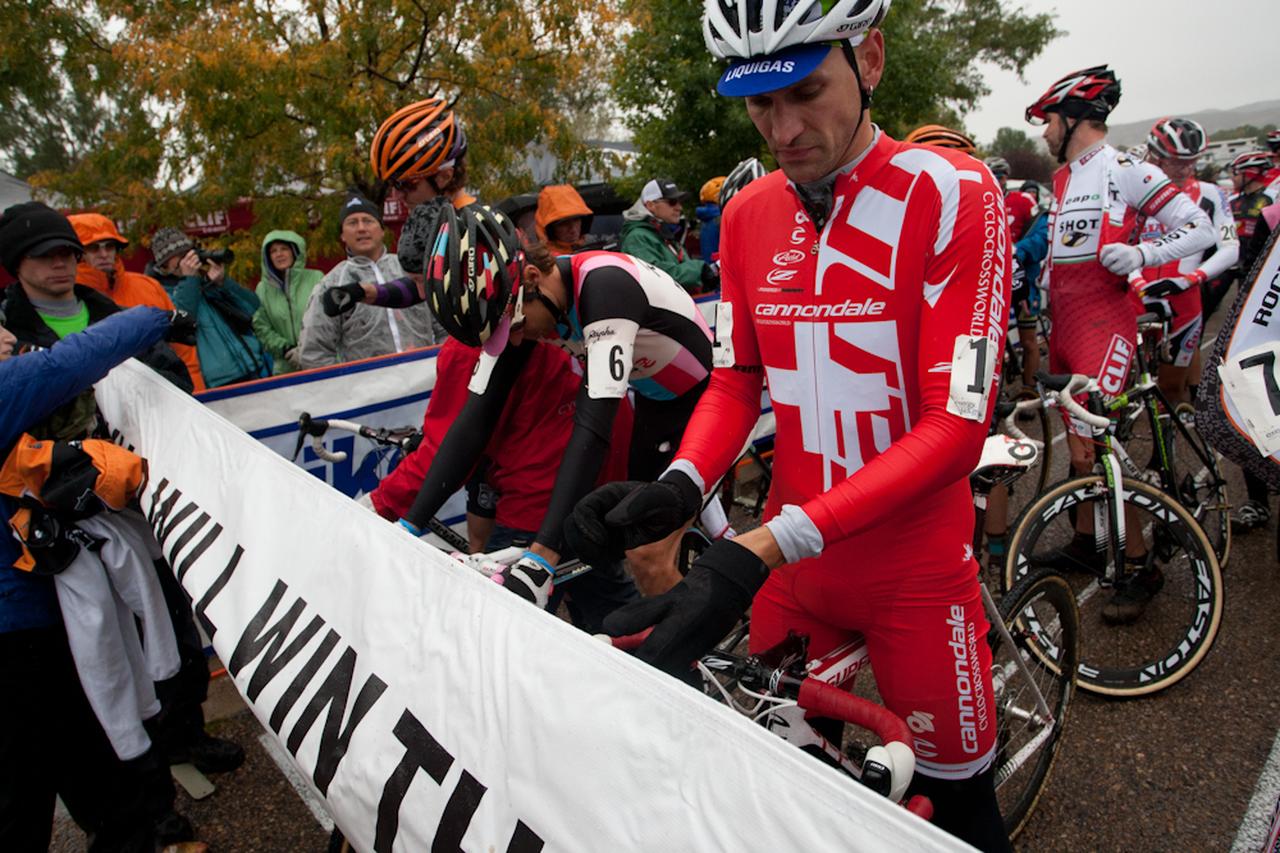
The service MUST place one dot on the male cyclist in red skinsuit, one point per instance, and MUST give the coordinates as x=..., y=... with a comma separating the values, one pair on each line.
x=1099, y=194
x=868, y=279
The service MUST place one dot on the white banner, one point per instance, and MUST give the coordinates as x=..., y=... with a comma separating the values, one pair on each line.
x=430, y=707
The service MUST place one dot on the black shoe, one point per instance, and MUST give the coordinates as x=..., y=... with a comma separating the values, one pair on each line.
x=209, y=754
x=1129, y=601
x=173, y=828
x=1078, y=555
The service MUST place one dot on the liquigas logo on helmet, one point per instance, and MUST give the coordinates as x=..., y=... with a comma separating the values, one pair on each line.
x=791, y=256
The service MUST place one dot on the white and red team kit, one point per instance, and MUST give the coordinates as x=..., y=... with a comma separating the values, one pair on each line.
x=1194, y=269
x=1098, y=199
x=878, y=337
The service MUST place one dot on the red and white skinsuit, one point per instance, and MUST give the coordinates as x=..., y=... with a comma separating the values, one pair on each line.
x=1097, y=199
x=878, y=338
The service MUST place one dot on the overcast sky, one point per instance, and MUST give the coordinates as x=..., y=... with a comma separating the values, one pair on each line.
x=1171, y=56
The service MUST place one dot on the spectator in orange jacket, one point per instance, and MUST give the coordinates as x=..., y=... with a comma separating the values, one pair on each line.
x=562, y=219
x=103, y=270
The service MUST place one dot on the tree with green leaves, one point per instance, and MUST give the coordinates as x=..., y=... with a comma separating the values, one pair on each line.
x=1026, y=158
x=665, y=78
x=158, y=110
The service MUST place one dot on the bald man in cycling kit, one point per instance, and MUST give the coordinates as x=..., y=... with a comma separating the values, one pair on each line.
x=868, y=279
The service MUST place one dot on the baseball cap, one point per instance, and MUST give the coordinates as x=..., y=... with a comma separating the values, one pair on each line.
x=757, y=75
x=662, y=188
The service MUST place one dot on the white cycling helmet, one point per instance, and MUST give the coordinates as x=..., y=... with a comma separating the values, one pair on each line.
x=743, y=173
x=740, y=29
x=775, y=43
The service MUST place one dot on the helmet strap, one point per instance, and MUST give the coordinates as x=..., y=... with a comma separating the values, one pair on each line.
x=864, y=93
x=1071, y=126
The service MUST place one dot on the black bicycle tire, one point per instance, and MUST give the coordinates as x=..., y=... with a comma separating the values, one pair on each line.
x=1151, y=676
x=1219, y=534
x=1037, y=587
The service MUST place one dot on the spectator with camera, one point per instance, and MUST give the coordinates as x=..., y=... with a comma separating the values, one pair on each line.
x=368, y=330
x=197, y=282
x=103, y=270
x=284, y=290
x=652, y=231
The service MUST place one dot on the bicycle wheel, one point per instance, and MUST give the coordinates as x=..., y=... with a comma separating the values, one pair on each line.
x=1173, y=632
x=1193, y=476
x=1033, y=680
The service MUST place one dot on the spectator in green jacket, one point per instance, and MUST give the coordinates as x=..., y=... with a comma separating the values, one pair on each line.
x=283, y=290
x=651, y=232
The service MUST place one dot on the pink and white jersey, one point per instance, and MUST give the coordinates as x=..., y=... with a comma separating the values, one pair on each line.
x=632, y=325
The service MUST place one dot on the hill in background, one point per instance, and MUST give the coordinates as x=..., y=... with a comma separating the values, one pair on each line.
x=1257, y=114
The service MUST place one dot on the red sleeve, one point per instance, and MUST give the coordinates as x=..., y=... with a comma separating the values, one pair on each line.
x=942, y=447
x=396, y=492
x=730, y=406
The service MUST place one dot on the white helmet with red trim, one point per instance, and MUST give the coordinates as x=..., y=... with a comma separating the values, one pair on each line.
x=1252, y=164
x=738, y=29
x=1177, y=139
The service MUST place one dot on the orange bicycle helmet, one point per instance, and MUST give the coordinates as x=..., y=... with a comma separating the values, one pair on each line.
x=943, y=137
x=417, y=141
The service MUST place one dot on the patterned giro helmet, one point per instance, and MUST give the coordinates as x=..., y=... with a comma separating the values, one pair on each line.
x=1089, y=94
x=942, y=137
x=472, y=261
x=417, y=141
x=743, y=173
x=1177, y=138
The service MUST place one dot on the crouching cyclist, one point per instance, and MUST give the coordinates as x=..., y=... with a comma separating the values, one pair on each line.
x=629, y=324
x=879, y=359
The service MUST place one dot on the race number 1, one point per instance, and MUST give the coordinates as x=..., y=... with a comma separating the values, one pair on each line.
x=722, y=350
x=972, y=366
x=1252, y=384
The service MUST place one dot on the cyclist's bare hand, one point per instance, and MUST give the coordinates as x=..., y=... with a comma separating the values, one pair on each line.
x=618, y=517
x=653, y=566
x=696, y=613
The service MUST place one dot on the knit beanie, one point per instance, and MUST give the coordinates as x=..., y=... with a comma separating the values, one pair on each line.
x=167, y=242
x=357, y=203
x=33, y=229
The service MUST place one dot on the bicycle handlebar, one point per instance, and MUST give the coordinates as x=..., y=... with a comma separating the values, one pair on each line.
x=1081, y=384
x=1010, y=428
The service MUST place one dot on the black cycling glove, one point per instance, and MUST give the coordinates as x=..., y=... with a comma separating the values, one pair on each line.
x=695, y=614
x=620, y=516
x=1164, y=287
x=341, y=299
x=182, y=328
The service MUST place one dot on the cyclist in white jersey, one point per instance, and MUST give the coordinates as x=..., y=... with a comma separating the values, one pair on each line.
x=1099, y=194
x=1174, y=288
